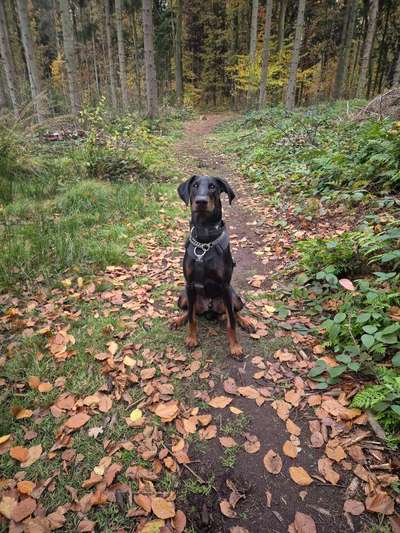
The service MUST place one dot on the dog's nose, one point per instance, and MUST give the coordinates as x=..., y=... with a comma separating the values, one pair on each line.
x=201, y=201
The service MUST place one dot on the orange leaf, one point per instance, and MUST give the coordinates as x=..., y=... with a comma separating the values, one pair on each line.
x=289, y=449
x=380, y=502
x=227, y=442
x=226, y=509
x=300, y=476
x=162, y=508
x=45, y=387
x=272, y=462
x=220, y=402
x=303, y=523
x=325, y=468
x=353, y=507
x=23, y=509
x=25, y=487
x=179, y=521
x=77, y=421
x=19, y=453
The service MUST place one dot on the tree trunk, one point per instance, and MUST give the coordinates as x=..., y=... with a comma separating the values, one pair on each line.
x=38, y=98
x=70, y=56
x=369, y=41
x=253, y=46
x=121, y=54
x=136, y=59
x=7, y=60
x=111, y=70
x=3, y=97
x=281, y=24
x=345, y=47
x=178, y=54
x=265, y=55
x=150, y=67
x=298, y=39
x=396, y=75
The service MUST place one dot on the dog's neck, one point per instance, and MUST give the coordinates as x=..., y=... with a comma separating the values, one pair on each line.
x=207, y=227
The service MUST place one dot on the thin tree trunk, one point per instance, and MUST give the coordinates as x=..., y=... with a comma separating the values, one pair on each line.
x=136, y=59
x=396, y=75
x=382, y=57
x=345, y=47
x=121, y=54
x=70, y=55
x=150, y=67
x=178, y=54
x=265, y=54
x=281, y=24
x=3, y=97
x=298, y=39
x=111, y=70
x=253, y=46
x=369, y=41
x=6, y=58
x=38, y=98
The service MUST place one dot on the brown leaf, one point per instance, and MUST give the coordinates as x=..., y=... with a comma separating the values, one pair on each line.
x=325, y=469
x=220, y=402
x=45, y=387
x=249, y=392
x=112, y=471
x=167, y=411
x=293, y=397
x=34, y=453
x=380, y=502
x=162, y=508
x=230, y=386
x=179, y=521
x=335, y=451
x=7, y=505
x=227, y=442
x=34, y=382
x=77, y=421
x=143, y=501
x=112, y=347
x=208, y=433
x=347, y=284
x=19, y=453
x=226, y=509
x=148, y=373
x=303, y=523
x=317, y=439
x=300, y=476
x=272, y=462
x=86, y=526
x=293, y=428
x=238, y=529
x=56, y=519
x=353, y=507
x=23, y=509
x=252, y=446
x=289, y=449
x=23, y=413
x=25, y=487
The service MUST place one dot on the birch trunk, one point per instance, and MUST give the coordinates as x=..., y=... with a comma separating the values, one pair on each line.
x=178, y=54
x=121, y=54
x=6, y=58
x=70, y=55
x=111, y=70
x=265, y=55
x=38, y=98
x=369, y=41
x=281, y=24
x=345, y=47
x=298, y=39
x=150, y=68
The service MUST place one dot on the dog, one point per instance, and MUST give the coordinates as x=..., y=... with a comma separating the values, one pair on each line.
x=208, y=263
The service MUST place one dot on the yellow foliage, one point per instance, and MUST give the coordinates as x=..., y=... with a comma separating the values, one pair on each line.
x=56, y=67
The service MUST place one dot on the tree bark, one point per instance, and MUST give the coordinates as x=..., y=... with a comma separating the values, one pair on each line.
x=150, y=67
x=369, y=41
x=281, y=24
x=3, y=97
x=298, y=39
x=38, y=98
x=178, y=54
x=396, y=75
x=265, y=54
x=345, y=47
x=121, y=54
x=253, y=46
x=136, y=59
x=70, y=55
x=111, y=70
x=7, y=60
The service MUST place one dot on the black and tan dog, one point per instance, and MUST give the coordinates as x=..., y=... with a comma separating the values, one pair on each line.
x=208, y=263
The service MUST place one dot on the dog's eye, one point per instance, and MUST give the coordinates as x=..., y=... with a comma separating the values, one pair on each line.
x=211, y=186
x=195, y=185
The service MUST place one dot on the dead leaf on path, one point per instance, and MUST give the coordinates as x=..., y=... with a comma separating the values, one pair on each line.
x=220, y=402
x=300, y=476
x=272, y=462
x=334, y=408
x=230, y=386
x=268, y=496
x=162, y=508
x=353, y=507
x=179, y=521
x=227, y=442
x=238, y=529
x=292, y=428
x=361, y=472
x=208, y=433
x=317, y=439
x=235, y=410
x=86, y=526
x=143, y=501
x=45, y=387
x=136, y=415
x=326, y=470
x=56, y=519
x=20, y=414
x=303, y=523
x=34, y=382
x=23, y=509
x=380, y=502
x=77, y=421
x=282, y=409
x=226, y=509
x=334, y=451
x=25, y=487
x=4, y=438
x=252, y=445
x=7, y=505
x=19, y=453
x=148, y=373
x=204, y=419
x=285, y=356
x=290, y=450
x=293, y=397
x=112, y=347
x=248, y=392
x=167, y=411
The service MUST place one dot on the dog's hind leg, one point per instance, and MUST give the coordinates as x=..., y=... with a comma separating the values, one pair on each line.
x=234, y=346
x=246, y=323
x=191, y=339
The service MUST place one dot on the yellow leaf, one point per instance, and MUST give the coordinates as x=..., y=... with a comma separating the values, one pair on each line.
x=4, y=438
x=162, y=508
x=136, y=415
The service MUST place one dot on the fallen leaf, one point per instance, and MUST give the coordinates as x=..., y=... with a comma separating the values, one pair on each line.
x=303, y=523
x=56, y=519
x=167, y=411
x=86, y=526
x=249, y=392
x=179, y=521
x=353, y=507
x=208, y=433
x=136, y=415
x=7, y=505
x=326, y=470
x=19, y=453
x=227, y=442
x=380, y=502
x=226, y=509
x=143, y=501
x=347, y=284
x=292, y=428
x=252, y=446
x=154, y=526
x=23, y=413
x=220, y=402
x=77, y=421
x=300, y=476
x=112, y=347
x=289, y=449
x=23, y=509
x=33, y=382
x=272, y=462
x=148, y=373
x=4, y=438
x=235, y=410
x=238, y=529
x=45, y=387
x=25, y=487
x=162, y=508
x=230, y=386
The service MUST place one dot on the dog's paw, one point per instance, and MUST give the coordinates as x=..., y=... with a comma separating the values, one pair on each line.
x=191, y=342
x=236, y=351
x=248, y=324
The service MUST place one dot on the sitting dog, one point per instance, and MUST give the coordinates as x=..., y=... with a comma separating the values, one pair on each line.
x=208, y=263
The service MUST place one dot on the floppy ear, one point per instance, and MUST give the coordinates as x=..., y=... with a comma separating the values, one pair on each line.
x=225, y=187
x=184, y=189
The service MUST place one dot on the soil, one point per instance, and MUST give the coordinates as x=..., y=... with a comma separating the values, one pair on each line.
x=323, y=501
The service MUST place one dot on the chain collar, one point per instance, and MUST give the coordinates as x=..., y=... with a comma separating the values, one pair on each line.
x=201, y=248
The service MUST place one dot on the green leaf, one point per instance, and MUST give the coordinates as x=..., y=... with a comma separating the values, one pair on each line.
x=339, y=318
x=354, y=366
x=321, y=385
x=316, y=371
x=363, y=317
x=393, y=328
x=336, y=371
x=343, y=358
x=370, y=329
x=396, y=409
x=396, y=359
x=368, y=341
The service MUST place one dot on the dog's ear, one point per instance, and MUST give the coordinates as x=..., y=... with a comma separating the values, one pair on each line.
x=225, y=187
x=184, y=189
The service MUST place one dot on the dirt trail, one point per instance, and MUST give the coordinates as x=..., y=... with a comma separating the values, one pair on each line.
x=251, y=231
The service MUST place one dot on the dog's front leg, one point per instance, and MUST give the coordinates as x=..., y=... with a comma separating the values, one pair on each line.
x=191, y=339
x=234, y=346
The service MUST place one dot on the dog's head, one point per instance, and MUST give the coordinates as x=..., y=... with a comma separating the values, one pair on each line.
x=203, y=193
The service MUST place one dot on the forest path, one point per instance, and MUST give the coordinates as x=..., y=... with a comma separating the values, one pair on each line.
x=276, y=404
